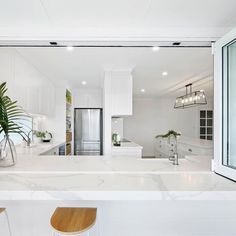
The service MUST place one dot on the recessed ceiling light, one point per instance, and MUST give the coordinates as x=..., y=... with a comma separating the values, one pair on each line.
x=83, y=82
x=142, y=90
x=155, y=48
x=164, y=73
x=70, y=48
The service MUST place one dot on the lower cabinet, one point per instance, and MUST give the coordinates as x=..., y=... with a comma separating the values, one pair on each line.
x=127, y=152
x=52, y=152
x=186, y=147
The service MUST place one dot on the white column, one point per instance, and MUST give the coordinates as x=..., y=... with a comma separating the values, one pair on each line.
x=107, y=113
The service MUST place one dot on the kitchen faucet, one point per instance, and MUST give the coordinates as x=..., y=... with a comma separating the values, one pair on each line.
x=175, y=157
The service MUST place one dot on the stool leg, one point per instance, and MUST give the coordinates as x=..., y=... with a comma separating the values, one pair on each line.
x=8, y=223
x=98, y=226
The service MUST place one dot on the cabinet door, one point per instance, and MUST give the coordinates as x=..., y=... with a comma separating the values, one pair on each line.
x=121, y=89
x=47, y=98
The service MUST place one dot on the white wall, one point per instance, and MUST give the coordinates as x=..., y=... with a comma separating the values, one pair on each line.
x=157, y=116
x=117, y=126
x=128, y=218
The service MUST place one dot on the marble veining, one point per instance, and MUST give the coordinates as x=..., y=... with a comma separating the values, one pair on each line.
x=106, y=164
x=179, y=186
x=38, y=177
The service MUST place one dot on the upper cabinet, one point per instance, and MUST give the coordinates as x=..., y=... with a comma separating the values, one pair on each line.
x=34, y=92
x=121, y=93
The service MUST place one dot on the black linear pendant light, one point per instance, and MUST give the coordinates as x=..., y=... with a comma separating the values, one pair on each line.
x=191, y=98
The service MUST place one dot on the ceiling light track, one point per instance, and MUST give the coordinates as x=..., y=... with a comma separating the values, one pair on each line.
x=155, y=45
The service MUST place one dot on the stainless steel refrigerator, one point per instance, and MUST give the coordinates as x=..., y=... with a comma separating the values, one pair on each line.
x=88, y=131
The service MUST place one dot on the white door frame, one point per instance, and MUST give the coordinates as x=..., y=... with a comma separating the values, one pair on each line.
x=218, y=106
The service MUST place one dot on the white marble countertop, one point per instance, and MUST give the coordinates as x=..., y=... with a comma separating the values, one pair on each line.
x=37, y=149
x=128, y=145
x=107, y=178
x=178, y=186
x=106, y=165
x=196, y=142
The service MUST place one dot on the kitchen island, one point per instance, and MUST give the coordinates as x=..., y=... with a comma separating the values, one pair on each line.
x=127, y=149
x=37, y=177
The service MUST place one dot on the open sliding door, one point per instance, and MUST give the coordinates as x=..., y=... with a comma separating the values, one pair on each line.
x=225, y=106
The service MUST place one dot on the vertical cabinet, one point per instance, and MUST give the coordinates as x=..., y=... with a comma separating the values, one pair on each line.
x=121, y=93
x=34, y=92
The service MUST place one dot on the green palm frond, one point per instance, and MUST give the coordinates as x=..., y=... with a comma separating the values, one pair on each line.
x=10, y=113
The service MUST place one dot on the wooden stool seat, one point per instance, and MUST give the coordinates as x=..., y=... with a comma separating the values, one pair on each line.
x=73, y=220
x=2, y=210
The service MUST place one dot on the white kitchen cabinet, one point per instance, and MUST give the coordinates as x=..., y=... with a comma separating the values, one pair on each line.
x=47, y=99
x=127, y=149
x=34, y=93
x=54, y=151
x=121, y=94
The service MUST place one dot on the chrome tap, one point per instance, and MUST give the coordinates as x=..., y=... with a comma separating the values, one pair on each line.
x=174, y=159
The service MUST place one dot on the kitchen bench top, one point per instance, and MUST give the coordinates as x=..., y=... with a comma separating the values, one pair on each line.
x=107, y=178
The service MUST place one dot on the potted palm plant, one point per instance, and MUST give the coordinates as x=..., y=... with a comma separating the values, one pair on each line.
x=10, y=115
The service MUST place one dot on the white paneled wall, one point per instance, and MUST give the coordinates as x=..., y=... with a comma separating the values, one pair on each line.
x=33, y=91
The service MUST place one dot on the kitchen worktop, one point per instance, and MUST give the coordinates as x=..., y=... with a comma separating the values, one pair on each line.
x=37, y=149
x=128, y=144
x=105, y=165
x=203, y=143
x=107, y=178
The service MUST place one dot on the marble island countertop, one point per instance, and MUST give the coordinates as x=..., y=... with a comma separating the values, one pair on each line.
x=107, y=178
x=106, y=165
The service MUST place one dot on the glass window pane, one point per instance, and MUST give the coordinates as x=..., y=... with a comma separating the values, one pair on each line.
x=202, y=130
x=202, y=122
x=229, y=105
x=202, y=114
x=209, y=130
x=27, y=125
x=209, y=122
x=209, y=114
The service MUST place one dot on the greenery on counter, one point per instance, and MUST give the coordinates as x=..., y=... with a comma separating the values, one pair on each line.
x=41, y=134
x=168, y=134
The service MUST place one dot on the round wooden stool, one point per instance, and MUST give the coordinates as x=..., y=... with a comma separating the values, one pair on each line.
x=4, y=211
x=73, y=221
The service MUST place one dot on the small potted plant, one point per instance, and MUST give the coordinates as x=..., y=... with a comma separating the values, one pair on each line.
x=43, y=136
x=170, y=134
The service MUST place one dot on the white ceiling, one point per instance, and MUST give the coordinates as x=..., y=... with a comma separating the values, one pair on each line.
x=182, y=64
x=107, y=17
